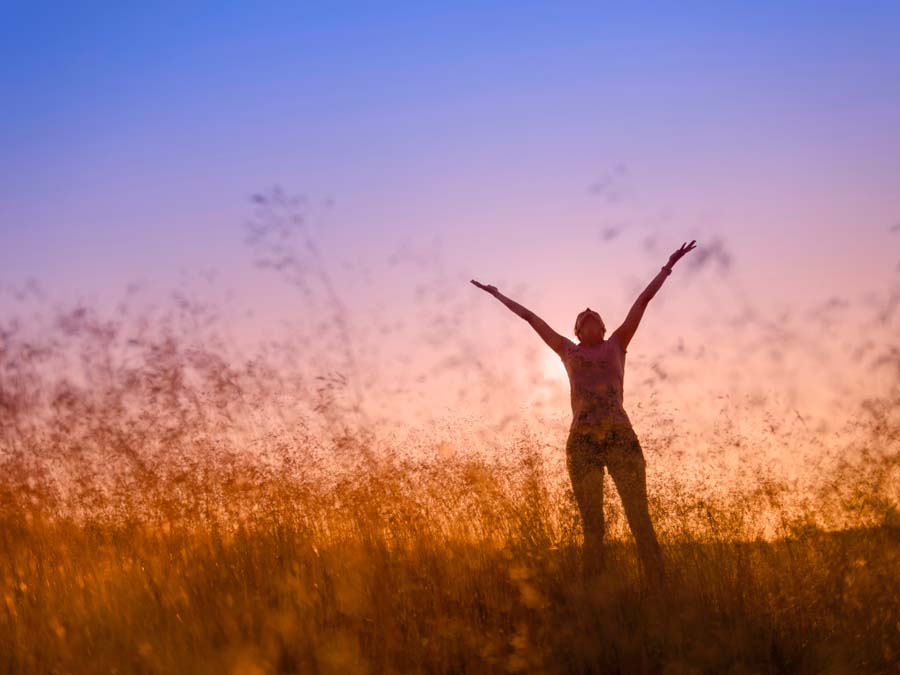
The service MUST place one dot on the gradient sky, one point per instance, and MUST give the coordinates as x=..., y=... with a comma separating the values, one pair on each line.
x=560, y=151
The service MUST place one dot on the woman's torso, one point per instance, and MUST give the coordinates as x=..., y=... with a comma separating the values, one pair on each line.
x=596, y=382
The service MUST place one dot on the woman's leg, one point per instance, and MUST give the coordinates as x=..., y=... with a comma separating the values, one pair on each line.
x=627, y=467
x=586, y=472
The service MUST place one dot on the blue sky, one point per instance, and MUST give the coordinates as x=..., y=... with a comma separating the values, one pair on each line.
x=132, y=137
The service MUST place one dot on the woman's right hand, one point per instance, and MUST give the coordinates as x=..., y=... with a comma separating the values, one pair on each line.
x=485, y=287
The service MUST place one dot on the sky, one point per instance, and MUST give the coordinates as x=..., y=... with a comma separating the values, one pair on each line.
x=560, y=151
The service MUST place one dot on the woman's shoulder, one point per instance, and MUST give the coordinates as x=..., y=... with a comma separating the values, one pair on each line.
x=568, y=347
x=614, y=338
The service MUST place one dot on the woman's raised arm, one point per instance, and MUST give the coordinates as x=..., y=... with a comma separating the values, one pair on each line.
x=626, y=331
x=554, y=340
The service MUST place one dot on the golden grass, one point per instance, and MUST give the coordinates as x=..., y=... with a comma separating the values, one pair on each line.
x=405, y=569
x=140, y=531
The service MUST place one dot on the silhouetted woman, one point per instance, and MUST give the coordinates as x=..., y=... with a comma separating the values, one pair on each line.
x=601, y=434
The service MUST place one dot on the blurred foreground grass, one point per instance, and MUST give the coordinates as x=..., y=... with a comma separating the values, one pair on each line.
x=422, y=571
x=167, y=509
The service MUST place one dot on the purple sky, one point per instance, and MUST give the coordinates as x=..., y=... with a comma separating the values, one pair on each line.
x=560, y=154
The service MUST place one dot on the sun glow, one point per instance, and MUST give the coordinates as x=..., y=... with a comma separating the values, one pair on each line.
x=553, y=367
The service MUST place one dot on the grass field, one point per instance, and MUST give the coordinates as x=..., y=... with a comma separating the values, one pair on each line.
x=138, y=533
x=387, y=573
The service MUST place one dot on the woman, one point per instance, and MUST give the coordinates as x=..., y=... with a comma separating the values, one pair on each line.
x=601, y=434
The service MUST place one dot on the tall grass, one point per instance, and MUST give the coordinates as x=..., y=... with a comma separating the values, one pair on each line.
x=165, y=507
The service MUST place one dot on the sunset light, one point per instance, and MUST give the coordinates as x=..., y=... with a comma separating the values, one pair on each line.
x=450, y=338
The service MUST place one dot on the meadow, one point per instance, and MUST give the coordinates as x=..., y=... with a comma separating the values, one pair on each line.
x=167, y=506
x=140, y=533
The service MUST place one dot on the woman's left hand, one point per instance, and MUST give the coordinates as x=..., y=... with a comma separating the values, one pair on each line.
x=675, y=257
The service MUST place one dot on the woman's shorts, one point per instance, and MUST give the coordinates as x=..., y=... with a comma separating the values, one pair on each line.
x=598, y=445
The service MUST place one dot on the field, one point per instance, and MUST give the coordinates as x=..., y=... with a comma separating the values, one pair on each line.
x=141, y=531
x=382, y=576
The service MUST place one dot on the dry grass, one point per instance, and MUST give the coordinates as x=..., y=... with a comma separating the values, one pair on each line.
x=161, y=512
x=420, y=569
x=135, y=539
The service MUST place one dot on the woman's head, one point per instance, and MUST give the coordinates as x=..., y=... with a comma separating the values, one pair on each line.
x=589, y=327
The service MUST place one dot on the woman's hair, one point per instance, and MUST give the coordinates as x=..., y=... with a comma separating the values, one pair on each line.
x=581, y=319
